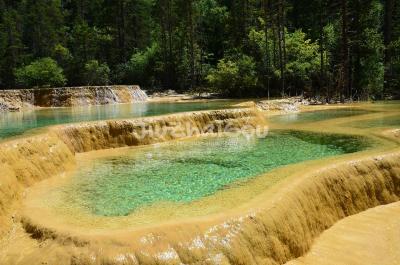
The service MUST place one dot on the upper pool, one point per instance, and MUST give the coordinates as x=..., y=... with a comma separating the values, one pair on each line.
x=320, y=115
x=17, y=123
x=185, y=171
x=383, y=121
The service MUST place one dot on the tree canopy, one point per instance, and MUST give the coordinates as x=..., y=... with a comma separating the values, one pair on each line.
x=333, y=49
x=40, y=73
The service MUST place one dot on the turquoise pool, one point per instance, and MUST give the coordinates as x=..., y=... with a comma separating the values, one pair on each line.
x=186, y=171
x=17, y=123
x=315, y=116
x=384, y=121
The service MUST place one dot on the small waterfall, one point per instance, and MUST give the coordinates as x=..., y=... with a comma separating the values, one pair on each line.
x=71, y=96
x=96, y=96
x=82, y=99
x=55, y=101
x=137, y=94
x=29, y=98
x=110, y=95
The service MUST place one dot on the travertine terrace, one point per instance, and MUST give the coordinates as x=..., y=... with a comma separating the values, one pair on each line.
x=16, y=100
x=261, y=222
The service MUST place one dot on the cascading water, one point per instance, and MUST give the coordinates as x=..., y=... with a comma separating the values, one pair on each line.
x=82, y=98
x=55, y=101
x=71, y=96
x=96, y=99
x=110, y=95
x=29, y=98
x=138, y=94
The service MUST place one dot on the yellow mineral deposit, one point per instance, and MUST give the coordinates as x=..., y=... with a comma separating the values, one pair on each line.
x=270, y=219
x=370, y=237
x=71, y=96
x=121, y=133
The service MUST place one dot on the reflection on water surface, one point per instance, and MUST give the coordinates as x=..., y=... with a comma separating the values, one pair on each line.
x=16, y=123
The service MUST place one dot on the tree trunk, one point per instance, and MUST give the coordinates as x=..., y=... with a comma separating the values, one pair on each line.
x=281, y=43
x=170, y=52
x=121, y=29
x=284, y=43
x=344, y=79
x=387, y=31
x=191, y=44
x=267, y=59
x=321, y=48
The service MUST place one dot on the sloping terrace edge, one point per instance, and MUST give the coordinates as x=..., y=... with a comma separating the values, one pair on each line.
x=282, y=228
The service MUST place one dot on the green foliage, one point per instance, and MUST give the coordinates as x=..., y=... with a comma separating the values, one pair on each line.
x=96, y=73
x=330, y=35
x=11, y=46
x=61, y=53
x=303, y=59
x=394, y=69
x=47, y=25
x=262, y=49
x=212, y=28
x=234, y=77
x=369, y=61
x=223, y=77
x=238, y=47
x=88, y=42
x=41, y=73
x=372, y=68
x=139, y=69
x=394, y=48
x=302, y=56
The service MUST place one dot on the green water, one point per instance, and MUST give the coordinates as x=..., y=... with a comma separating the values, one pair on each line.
x=17, y=123
x=315, y=116
x=384, y=121
x=189, y=170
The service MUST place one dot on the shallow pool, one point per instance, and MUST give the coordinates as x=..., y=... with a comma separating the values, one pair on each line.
x=320, y=115
x=384, y=121
x=186, y=171
x=17, y=123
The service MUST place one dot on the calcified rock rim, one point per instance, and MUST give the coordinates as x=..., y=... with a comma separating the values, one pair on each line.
x=18, y=99
x=99, y=135
x=25, y=161
x=275, y=227
x=371, y=236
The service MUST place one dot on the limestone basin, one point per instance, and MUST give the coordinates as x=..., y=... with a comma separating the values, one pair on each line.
x=170, y=181
x=260, y=218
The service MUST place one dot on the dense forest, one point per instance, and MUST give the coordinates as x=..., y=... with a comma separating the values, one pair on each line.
x=333, y=49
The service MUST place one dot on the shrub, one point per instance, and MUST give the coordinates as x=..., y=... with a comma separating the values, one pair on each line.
x=235, y=76
x=96, y=73
x=302, y=56
x=140, y=68
x=41, y=73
